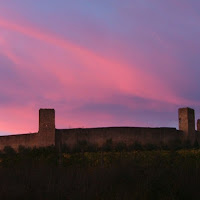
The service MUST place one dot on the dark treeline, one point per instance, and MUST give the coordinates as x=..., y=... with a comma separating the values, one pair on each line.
x=112, y=172
x=84, y=146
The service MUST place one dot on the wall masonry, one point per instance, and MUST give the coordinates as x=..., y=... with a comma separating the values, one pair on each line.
x=46, y=132
x=43, y=138
x=48, y=135
x=127, y=135
x=187, y=123
x=26, y=140
x=198, y=125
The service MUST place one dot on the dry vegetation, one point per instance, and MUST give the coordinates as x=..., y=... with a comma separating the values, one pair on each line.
x=110, y=173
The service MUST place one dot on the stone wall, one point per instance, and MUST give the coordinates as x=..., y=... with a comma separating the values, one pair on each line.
x=127, y=135
x=198, y=125
x=187, y=123
x=46, y=132
x=43, y=138
x=14, y=141
x=198, y=136
x=48, y=135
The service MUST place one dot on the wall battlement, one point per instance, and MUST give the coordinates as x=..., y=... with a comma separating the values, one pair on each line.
x=48, y=135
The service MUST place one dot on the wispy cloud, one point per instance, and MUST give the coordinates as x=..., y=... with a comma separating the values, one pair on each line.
x=100, y=76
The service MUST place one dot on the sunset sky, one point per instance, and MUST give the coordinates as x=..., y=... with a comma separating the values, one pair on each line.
x=98, y=63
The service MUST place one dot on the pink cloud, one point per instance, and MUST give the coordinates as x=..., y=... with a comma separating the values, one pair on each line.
x=18, y=119
x=125, y=77
x=56, y=69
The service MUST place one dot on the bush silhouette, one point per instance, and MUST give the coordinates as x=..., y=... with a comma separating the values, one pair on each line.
x=121, y=146
x=108, y=146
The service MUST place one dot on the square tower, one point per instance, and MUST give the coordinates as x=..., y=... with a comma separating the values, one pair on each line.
x=198, y=125
x=187, y=122
x=46, y=127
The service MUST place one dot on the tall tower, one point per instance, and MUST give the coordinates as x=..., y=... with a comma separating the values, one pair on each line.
x=187, y=123
x=46, y=127
x=198, y=125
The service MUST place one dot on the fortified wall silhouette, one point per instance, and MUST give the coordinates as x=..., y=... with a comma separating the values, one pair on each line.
x=48, y=135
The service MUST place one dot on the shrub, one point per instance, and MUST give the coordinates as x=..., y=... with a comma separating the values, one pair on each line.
x=9, y=150
x=136, y=146
x=92, y=148
x=196, y=144
x=84, y=146
x=108, y=146
x=24, y=150
x=176, y=144
x=187, y=144
x=150, y=147
x=164, y=146
x=121, y=146
x=65, y=148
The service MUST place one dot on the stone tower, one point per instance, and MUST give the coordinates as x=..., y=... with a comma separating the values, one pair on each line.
x=198, y=125
x=187, y=123
x=46, y=127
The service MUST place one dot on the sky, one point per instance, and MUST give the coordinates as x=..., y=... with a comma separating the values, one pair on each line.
x=98, y=63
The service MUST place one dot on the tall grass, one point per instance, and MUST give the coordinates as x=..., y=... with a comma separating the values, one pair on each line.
x=112, y=172
x=155, y=174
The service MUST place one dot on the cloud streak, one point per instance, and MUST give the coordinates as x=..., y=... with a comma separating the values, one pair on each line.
x=139, y=69
x=120, y=74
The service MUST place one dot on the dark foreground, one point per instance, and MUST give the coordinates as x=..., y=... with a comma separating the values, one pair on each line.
x=44, y=174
